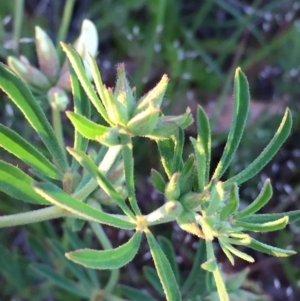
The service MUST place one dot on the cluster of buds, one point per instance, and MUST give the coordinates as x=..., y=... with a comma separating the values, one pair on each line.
x=127, y=115
x=51, y=77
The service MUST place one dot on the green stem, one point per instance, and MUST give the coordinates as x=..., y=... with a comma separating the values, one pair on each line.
x=104, y=166
x=33, y=216
x=65, y=23
x=18, y=21
x=128, y=163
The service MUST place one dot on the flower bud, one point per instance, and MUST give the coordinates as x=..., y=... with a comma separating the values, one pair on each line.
x=173, y=208
x=30, y=75
x=144, y=123
x=47, y=54
x=192, y=200
x=154, y=96
x=58, y=98
x=122, y=91
x=87, y=43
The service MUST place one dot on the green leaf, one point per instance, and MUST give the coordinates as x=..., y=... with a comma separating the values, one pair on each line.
x=187, y=222
x=172, y=190
x=59, y=280
x=239, y=118
x=168, y=249
x=232, y=204
x=201, y=163
x=166, y=150
x=267, y=154
x=76, y=63
x=226, y=252
x=237, y=252
x=187, y=175
x=76, y=270
x=107, y=259
x=204, y=138
x=128, y=162
x=17, y=184
x=177, y=159
x=217, y=196
x=196, y=273
x=164, y=270
x=209, y=265
x=135, y=294
x=86, y=127
x=153, y=278
x=262, y=199
x=264, y=248
x=59, y=198
x=102, y=181
x=19, y=147
x=82, y=106
x=158, y=181
x=265, y=227
x=265, y=218
x=19, y=93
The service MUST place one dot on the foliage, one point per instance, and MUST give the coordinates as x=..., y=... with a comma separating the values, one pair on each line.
x=203, y=205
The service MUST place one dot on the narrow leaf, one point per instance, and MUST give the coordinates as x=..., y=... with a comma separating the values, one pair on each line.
x=102, y=181
x=232, y=204
x=76, y=63
x=153, y=279
x=136, y=294
x=265, y=218
x=204, y=138
x=59, y=280
x=177, y=159
x=58, y=197
x=164, y=270
x=239, y=118
x=166, y=150
x=187, y=175
x=158, y=181
x=226, y=252
x=24, y=100
x=196, y=272
x=14, y=182
x=262, y=199
x=82, y=106
x=201, y=163
x=19, y=147
x=107, y=259
x=264, y=248
x=267, y=154
x=168, y=249
x=86, y=127
x=222, y=292
x=237, y=252
x=217, y=197
x=265, y=227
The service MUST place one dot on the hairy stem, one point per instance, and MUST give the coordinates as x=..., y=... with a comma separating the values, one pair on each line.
x=32, y=216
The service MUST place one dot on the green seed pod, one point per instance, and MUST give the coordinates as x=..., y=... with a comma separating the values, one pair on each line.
x=47, y=54
x=58, y=98
x=30, y=75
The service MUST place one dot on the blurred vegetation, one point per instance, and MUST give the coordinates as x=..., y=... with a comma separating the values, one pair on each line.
x=198, y=44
